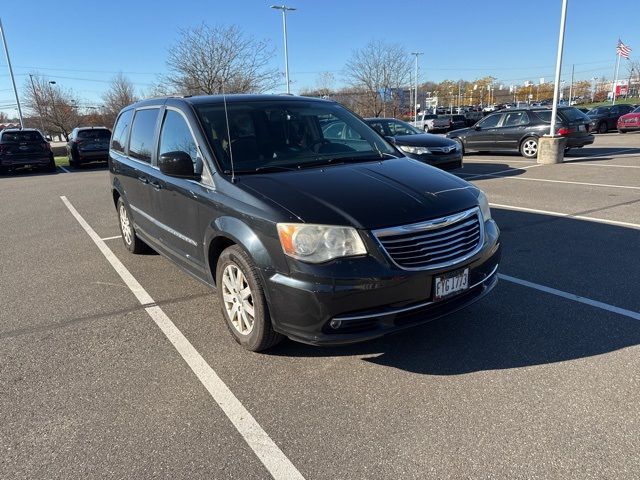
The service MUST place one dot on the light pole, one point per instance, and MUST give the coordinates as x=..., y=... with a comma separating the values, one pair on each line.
x=415, y=103
x=284, y=10
x=13, y=80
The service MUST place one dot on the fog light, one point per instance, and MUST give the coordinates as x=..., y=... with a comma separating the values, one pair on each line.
x=335, y=324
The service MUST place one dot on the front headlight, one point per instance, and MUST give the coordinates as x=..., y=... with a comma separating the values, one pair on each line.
x=414, y=150
x=484, y=205
x=319, y=243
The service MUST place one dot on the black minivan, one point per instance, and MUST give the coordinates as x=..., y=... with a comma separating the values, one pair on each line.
x=323, y=240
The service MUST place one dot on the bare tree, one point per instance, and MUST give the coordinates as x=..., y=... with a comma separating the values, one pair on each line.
x=55, y=107
x=209, y=60
x=377, y=70
x=120, y=93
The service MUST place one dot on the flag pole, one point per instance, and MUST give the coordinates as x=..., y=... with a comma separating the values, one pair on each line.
x=615, y=80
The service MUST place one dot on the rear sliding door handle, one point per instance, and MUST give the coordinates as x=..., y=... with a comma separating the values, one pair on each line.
x=144, y=180
x=156, y=185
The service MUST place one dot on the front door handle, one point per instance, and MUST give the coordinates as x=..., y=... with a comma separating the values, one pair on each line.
x=144, y=180
x=156, y=185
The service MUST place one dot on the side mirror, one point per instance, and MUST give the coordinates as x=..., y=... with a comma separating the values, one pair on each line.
x=176, y=164
x=477, y=127
x=391, y=140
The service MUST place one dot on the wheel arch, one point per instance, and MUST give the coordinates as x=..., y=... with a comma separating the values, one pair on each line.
x=227, y=231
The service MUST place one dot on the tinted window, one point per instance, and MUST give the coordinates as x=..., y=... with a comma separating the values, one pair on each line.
x=121, y=131
x=22, y=137
x=599, y=111
x=401, y=128
x=377, y=126
x=176, y=136
x=637, y=110
x=458, y=118
x=96, y=133
x=573, y=115
x=288, y=134
x=142, y=130
x=490, y=121
x=515, y=118
x=544, y=115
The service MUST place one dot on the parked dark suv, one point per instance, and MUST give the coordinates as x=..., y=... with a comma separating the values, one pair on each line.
x=24, y=148
x=326, y=241
x=88, y=144
x=519, y=129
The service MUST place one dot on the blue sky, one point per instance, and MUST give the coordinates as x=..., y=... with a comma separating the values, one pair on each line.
x=82, y=44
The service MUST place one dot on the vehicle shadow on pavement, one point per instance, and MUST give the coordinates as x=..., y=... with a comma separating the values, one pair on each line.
x=484, y=170
x=89, y=167
x=517, y=326
x=28, y=172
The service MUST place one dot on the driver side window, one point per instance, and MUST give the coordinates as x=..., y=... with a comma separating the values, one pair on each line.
x=176, y=136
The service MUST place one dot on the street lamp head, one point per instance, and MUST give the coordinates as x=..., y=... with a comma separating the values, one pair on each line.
x=284, y=8
x=52, y=82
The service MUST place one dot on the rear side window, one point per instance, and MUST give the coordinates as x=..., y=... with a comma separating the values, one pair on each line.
x=22, y=137
x=121, y=131
x=544, y=115
x=515, y=118
x=142, y=132
x=94, y=134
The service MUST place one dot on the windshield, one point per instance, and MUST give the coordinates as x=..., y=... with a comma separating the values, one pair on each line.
x=398, y=127
x=283, y=135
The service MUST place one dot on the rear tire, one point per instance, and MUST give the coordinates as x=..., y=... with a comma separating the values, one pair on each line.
x=51, y=166
x=242, y=301
x=603, y=127
x=529, y=147
x=129, y=237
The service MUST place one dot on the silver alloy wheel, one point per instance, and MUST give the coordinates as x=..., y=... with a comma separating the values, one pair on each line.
x=125, y=225
x=238, y=299
x=530, y=148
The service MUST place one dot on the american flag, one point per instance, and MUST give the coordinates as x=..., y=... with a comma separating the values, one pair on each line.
x=623, y=50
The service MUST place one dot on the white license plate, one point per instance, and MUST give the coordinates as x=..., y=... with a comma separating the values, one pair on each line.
x=450, y=283
x=582, y=128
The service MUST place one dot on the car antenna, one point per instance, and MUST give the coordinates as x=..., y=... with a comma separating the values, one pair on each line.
x=226, y=116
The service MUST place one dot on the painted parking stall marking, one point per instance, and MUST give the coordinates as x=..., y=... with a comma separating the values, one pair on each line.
x=275, y=461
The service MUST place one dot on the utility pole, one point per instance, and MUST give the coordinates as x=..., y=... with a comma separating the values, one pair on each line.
x=13, y=80
x=571, y=87
x=284, y=10
x=37, y=97
x=415, y=103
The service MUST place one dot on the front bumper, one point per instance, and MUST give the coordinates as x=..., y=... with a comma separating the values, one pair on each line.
x=453, y=160
x=378, y=299
x=628, y=127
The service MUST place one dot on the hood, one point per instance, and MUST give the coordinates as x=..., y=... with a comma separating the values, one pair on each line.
x=424, y=140
x=365, y=195
x=629, y=115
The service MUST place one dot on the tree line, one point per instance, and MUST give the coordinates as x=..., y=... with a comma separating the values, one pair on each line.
x=206, y=60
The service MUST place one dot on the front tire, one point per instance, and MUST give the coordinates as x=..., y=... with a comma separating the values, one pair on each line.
x=529, y=147
x=622, y=131
x=129, y=237
x=244, y=306
x=603, y=127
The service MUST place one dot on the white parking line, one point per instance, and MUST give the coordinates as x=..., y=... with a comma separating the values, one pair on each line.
x=276, y=462
x=571, y=296
x=64, y=169
x=566, y=215
x=505, y=160
x=527, y=179
x=111, y=238
x=583, y=164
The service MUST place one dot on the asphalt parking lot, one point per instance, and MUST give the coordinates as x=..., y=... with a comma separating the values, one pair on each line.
x=541, y=379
